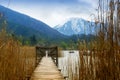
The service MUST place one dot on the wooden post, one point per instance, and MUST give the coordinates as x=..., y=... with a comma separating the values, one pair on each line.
x=53, y=52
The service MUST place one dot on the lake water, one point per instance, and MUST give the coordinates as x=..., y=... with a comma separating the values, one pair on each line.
x=69, y=64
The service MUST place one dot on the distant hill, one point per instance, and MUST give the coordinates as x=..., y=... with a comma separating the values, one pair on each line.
x=31, y=29
x=23, y=25
x=77, y=26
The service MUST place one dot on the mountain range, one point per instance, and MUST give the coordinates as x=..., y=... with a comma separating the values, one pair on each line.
x=27, y=27
x=77, y=26
x=23, y=25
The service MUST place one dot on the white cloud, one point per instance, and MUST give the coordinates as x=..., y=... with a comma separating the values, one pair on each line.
x=93, y=3
x=56, y=14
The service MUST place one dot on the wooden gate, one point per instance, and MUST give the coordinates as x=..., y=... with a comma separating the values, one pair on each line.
x=47, y=51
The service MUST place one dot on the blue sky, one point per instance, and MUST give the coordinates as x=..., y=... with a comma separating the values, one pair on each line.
x=53, y=12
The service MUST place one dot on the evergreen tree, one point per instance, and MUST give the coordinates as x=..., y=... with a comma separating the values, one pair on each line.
x=33, y=40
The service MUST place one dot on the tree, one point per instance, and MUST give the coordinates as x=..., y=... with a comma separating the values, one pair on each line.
x=33, y=40
x=63, y=45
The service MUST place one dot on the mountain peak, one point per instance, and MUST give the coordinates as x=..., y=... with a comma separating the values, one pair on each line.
x=76, y=26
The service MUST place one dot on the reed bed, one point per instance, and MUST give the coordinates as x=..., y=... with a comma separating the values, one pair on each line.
x=100, y=59
x=100, y=65
x=16, y=62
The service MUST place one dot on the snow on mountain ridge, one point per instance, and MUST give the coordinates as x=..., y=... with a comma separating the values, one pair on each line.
x=76, y=26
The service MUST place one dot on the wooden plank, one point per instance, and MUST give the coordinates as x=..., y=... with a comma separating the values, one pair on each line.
x=46, y=70
x=53, y=52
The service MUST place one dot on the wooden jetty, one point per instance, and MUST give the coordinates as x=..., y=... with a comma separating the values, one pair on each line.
x=46, y=70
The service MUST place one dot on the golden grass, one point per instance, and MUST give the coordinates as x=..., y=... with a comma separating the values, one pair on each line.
x=100, y=64
x=103, y=61
x=16, y=62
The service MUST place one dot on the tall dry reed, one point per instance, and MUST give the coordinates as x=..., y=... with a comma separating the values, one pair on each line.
x=16, y=62
x=101, y=61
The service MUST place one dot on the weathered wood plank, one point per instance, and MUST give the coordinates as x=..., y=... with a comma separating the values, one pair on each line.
x=46, y=70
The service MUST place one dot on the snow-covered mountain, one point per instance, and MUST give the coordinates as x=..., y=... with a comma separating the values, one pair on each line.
x=76, y=26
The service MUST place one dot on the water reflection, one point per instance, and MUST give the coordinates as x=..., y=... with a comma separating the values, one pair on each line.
x=69, y=64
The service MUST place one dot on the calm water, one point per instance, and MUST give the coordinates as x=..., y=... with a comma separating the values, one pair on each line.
x=69, y=64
